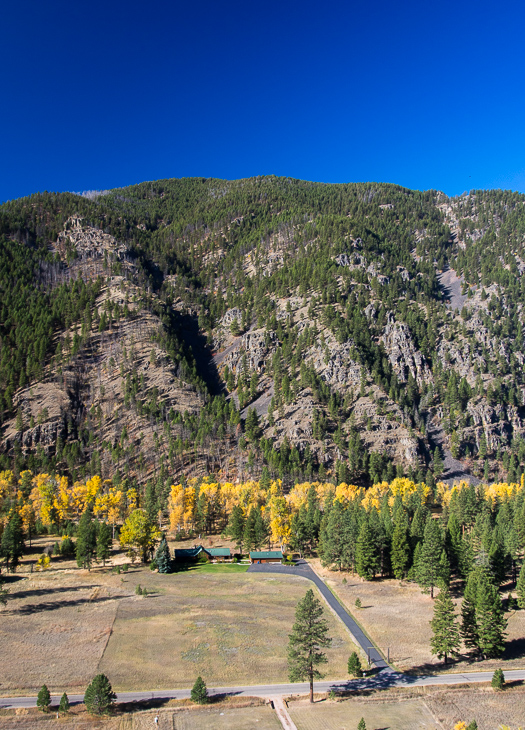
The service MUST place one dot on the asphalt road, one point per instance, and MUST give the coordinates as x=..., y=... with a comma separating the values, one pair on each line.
x=383, y=679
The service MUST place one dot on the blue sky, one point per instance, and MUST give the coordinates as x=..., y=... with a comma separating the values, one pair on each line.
x=99, y=95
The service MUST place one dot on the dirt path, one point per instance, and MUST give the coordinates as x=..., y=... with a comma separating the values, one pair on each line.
x=282, y=713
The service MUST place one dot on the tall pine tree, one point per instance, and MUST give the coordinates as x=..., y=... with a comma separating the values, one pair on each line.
x=445, y=641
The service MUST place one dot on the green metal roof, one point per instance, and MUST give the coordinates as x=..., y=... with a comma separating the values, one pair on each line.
x=219, y=552
x=266, y=554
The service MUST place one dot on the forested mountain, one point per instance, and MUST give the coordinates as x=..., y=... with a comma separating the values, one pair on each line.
x=268, y=326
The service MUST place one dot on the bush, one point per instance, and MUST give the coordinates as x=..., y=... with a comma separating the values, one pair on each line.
x=153, y=565
x=199, y=693
x=67, y=547
x=202, y=557
x=498, y=679
x=138, y=590
x=358, y=603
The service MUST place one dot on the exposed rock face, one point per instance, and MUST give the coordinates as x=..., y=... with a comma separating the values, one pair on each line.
x=340, y=370
x=402, y=353
x=87, y=241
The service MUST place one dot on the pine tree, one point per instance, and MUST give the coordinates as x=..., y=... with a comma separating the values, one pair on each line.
x=498, y=679
x=428, y=566
x=199, y=692
x=236, y=526
x=490, y=620
x=400, y=555
x=162, y=556
x=4, y=592
x=86, y=540
x=64, y=703
x=520, y=587
x=472, y=725
x=44, y=699
x=99, y=697
x=469, y=626
x=445, y=641
x=104, y=542
x=361, y=725
x=249, y=535
x=367, y=562
x=262, y=530
x=309, y=635
x=354, y=665
x=12, y=543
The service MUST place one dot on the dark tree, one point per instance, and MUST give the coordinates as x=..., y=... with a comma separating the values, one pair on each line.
x=445, y=641
x=163, y=557
x=354, y=665
x=308, y=637
x=44, y=699
x=99, y=698
x=199, y=692
x=86, y=540
x=104, y=542
x=64, y=703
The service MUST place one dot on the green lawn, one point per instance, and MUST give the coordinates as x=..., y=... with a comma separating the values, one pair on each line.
x=215, y=568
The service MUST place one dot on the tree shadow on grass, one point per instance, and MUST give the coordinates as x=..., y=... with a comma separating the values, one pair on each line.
x=55, y=605
x=46, y=591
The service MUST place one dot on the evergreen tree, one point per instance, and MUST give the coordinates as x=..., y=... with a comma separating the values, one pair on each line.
x=428, y=566
x=262, y=530
x=163, y=557
x=249, y=538
x=104, y=542
x=367, y=562
x=308, y=637
x=520, y=587
x=12, y=543
x=354, y=665
x=4, y=592
x=445, y=641
x=99, y=697
x=469, y=627
x=361, y=724
x=199, y=692
x=498, y=680
x=86, y=540
x=400, y=548
x=43, y=699
x=472, y=725
x=490, y=620
x=236, y=526
x=64, y=703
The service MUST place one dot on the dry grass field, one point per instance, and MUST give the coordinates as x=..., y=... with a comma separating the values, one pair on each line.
x=65, y=625
x=490, y=709
x=407, y=715
x=213, y=717
x=398, y=616
x=231, y=629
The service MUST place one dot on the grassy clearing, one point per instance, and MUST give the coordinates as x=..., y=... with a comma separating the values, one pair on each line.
x=488, y=708
x=231, y=629
x=398, y=616
x=407, y=715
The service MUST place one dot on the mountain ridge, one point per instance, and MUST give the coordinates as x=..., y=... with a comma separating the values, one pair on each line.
x=267, y=324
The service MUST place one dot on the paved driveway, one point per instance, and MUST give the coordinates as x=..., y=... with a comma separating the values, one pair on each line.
x=302, y=569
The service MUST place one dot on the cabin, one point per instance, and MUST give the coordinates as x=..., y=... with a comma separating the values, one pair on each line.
x=266, y=556
x=219, y=554
x=188, y=555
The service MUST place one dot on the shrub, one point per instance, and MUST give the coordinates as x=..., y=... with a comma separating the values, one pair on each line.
x=354, y=665
x=358, y=603
x=138, y=590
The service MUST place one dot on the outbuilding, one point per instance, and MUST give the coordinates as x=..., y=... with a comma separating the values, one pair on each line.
x=266, y=556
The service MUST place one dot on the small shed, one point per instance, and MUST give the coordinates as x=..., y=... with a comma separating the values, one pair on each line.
x=219, y=554
x=266, y=556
